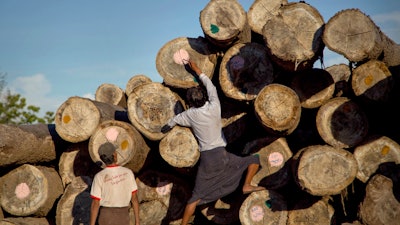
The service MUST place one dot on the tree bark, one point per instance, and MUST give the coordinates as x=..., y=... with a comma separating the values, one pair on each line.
x=21, y=144
x=24, y=221
x=30, y=190
x=74, y=205
x=76, y=162
x=391, y=52
x=162, y=197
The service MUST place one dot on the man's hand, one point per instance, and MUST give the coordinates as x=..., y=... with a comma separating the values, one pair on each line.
x=165, y=128
x=194, y=67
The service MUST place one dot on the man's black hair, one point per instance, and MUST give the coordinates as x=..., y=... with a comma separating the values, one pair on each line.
x=106, y=152
x=196, y=96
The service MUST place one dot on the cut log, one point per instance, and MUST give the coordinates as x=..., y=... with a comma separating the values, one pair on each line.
x=179, y=148
x=354, y=35
x=324, y=170
x=273, y=154
x=26, y=144
x=150, y=106
x=380, y=206
x=77, y=118
x=66, y=166
x=74, y=205
x=294, y=37
x=261, y=11
x=278, y=109
x=314, y=87
x=245, y=70
x=372, y=81
x=235, y=126
x=341, y=75
x=136, y=81
x=320, y=212
x=30, y=190
x=162, y=197
x=24, y=221
x=132, y=149
x=356, y=222
x=373, y=152
x=111, y=94
x=264, y=208
x=391, y=52
x=342, y=123
x=76, y=162
x=306, y=132
x=224, y=23
x=235, y=119
x=170, y=59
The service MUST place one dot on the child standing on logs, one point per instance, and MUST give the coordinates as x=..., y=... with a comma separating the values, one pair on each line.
x=219, y=172
x=112, y=190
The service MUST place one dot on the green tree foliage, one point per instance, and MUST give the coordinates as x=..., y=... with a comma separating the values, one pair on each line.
x=15, y=110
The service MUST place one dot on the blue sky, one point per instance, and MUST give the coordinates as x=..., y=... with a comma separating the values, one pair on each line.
x=52, y=50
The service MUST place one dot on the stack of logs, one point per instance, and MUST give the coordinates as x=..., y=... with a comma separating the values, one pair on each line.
x=327, y=138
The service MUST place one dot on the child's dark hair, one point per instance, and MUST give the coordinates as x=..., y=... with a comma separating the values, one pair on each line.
x=196, y=96
x=108, y=160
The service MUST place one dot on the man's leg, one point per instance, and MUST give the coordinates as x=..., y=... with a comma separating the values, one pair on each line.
x=189, y=210
x=251, y=171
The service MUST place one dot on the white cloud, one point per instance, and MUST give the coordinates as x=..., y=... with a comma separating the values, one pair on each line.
x=36, y=90
x=393, y=17
x=390, y=24
x=36, y=85
x=336, y=60
x=89, y=95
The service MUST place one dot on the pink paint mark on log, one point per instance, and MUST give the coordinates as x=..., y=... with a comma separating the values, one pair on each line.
x=22, y=191
x=112, y=134
x=164, y=188
x=181, y=57
x=275, y=159
x=256, y=213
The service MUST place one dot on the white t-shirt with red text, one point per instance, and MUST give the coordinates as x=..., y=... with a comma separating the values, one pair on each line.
x=113, y=186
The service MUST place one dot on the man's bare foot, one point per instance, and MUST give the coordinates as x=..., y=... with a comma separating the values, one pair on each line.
x=247, y=188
